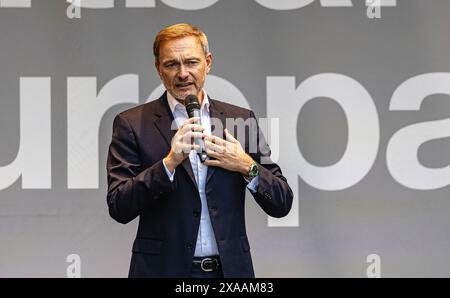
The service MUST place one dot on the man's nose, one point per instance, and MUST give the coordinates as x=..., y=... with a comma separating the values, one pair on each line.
x=183, y=74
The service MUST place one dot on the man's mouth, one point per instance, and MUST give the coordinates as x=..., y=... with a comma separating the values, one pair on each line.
x=183, y=85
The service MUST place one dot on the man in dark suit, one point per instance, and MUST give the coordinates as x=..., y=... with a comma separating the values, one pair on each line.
x=191, y=213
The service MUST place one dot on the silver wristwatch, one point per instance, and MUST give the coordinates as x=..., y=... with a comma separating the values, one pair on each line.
x=253, y=170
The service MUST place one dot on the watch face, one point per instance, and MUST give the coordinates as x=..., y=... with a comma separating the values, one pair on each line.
x=253, y=170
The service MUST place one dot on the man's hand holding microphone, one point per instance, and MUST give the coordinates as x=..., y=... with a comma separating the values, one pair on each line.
x=188, y=137
x=227, y=154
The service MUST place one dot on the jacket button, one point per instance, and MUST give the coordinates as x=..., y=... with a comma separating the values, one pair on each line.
x=189, y=245
x=196, y=214
x=268, y=195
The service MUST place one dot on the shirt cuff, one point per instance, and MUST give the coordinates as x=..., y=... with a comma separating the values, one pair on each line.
x=253, y=184
x=169, y=174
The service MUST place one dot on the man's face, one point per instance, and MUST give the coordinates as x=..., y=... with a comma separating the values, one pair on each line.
x=183, y=67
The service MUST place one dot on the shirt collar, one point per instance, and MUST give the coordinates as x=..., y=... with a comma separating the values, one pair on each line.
x=175, y=104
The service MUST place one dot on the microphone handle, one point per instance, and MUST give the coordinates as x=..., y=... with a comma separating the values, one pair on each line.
x=202, y=151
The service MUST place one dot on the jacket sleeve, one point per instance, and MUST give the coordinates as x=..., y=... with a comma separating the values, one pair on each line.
x=273, y=194
x=132, y=189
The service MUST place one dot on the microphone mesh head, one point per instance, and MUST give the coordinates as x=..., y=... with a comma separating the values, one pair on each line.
x=192, y=103
x=191, y=99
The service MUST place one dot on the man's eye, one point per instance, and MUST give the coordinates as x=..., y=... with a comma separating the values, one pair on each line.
x=192, y=62
x=171, y=65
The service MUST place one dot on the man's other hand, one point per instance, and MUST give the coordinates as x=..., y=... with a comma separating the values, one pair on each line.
x=228, y=154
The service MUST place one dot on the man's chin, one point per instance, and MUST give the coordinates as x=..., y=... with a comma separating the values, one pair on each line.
x=181, y=96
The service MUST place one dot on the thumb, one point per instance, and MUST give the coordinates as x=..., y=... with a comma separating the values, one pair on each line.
x=229, y=136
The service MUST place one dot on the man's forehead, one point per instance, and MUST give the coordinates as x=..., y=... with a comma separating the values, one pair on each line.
x=188, y=45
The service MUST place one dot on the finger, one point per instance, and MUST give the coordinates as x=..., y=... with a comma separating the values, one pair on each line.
x=213, y=154
x=190, y=136
x=213, y=163
x=191, y=127
x=195, y=147
x=215, y=140
x=187, y=148
x=229, y=137
x=184, y=148
x=214, y=147
x=209, y=138
x=190, y=121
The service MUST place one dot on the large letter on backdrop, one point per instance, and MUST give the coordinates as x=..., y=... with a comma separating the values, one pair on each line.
x=34, y=160
x=285, y=101
x=85, y=110
x=401, y=155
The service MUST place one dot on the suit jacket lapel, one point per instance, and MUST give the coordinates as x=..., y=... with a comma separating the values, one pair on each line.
x=164, y=122
x=216, y=113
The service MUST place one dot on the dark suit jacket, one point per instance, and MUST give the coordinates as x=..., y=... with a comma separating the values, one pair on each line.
x=169, y=213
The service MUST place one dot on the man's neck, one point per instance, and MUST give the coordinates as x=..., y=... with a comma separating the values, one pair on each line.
x=200, y=96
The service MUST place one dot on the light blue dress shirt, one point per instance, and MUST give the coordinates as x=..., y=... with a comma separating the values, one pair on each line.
x=206, y=241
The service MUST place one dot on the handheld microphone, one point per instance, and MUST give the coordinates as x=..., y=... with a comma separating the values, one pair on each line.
x=193, y=110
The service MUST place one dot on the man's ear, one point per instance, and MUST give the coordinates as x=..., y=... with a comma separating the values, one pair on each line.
x=209, y=59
